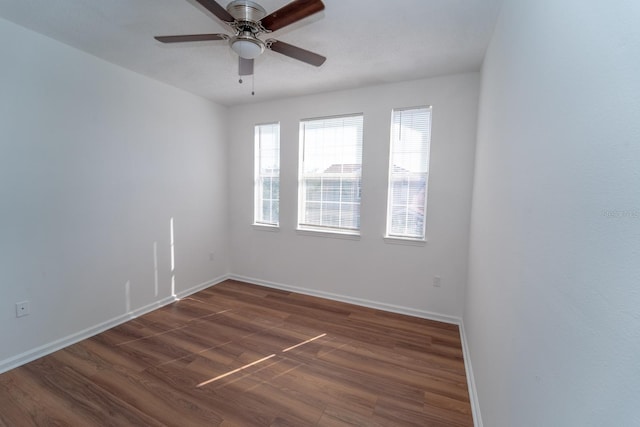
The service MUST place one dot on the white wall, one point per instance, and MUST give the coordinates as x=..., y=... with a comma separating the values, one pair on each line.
x=366, y=270
x=94, y=161
x=552, y=309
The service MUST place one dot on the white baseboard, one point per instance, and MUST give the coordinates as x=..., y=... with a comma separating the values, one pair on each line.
x=473, y=392
x=197, y=288
x=43, y=350
x=351, y=300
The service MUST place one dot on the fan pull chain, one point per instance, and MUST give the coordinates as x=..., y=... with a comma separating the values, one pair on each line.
x=253, y=84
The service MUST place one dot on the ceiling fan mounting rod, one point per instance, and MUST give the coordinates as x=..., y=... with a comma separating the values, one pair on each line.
x=246, y=10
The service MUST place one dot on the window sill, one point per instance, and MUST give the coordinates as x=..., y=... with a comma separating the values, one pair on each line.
x=327, y=234
x=404, y=241
x=265, y=227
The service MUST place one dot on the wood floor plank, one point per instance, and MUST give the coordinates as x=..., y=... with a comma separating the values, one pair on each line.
x=339, y=416
x=238, y=354
x=26, y=403
x=166, y=404
x=308, y=381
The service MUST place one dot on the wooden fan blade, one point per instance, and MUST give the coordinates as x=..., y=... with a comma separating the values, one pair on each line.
x=219, y=11
x=296, y=52
x=245, y=66
x=292, y=12
x=191, y=38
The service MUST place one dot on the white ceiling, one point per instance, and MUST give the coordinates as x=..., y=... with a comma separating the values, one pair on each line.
x=367, y=42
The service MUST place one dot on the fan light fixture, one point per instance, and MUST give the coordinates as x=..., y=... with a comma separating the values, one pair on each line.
x=247, y=47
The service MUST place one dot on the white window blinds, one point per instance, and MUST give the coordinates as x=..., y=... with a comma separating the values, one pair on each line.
x=267, y=174
x=330, y=173
x=408, y=172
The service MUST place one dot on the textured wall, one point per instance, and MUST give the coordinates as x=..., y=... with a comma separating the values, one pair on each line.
x=552, y=303
x=94, y=162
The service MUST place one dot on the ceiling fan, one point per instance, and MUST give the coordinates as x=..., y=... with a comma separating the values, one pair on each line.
x=248, y=19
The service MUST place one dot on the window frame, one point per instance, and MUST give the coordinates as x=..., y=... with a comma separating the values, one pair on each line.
x=305, y=227
x=258, y=195
x=390, y=235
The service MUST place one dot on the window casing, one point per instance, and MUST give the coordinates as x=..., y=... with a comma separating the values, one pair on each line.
x=267, y=174
x=330, y=174
x=408, y=172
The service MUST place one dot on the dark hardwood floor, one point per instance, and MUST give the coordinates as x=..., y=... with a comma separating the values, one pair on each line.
x=244, y=355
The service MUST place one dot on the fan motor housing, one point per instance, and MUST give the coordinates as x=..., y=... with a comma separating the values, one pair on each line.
x=246, y=10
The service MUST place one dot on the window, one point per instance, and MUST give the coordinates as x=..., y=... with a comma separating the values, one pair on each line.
x=267, y=174
x=408, y=172
x=330, y=174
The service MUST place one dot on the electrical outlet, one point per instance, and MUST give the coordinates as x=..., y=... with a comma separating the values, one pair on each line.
x=211, y=256
x=22, y=309
x=437, y=281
